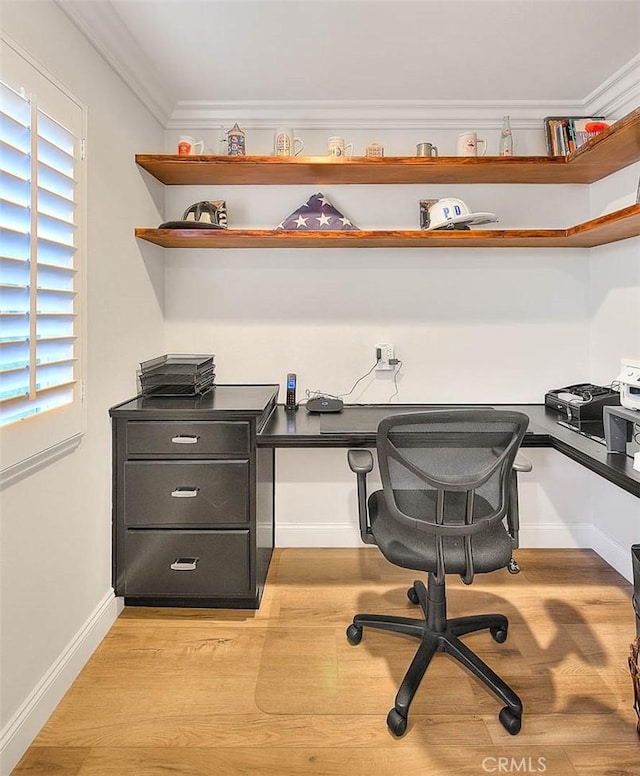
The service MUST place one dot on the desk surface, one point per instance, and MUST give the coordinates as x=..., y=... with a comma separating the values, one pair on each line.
x=226, y=401
x=356, y=425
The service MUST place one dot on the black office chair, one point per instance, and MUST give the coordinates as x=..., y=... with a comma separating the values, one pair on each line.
x=448, y=482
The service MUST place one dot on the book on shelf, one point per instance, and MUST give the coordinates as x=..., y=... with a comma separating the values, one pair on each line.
x=585, y=129
x=565, y=134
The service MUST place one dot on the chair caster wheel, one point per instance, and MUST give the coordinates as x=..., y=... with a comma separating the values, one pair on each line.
x=354, y=634
x=513, y=567
x=499, y=634
x=412, y=595
x=509, y=721
x=396, y=723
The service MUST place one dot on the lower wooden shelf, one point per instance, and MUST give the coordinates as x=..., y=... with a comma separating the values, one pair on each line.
x=619, y=225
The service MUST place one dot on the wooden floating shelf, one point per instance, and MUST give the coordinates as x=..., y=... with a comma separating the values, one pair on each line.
x=614, y=149
x=599, y=231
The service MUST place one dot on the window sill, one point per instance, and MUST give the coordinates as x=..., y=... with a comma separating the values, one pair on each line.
x=29, y=466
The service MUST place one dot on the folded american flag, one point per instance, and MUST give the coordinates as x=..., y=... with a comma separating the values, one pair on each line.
x=317, y=213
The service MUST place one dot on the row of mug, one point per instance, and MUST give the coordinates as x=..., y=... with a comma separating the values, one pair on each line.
x=285, y=143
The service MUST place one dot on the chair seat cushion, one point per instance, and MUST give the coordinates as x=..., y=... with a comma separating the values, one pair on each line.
x=415, y=549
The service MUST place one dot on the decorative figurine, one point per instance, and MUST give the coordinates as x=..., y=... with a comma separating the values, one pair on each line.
x=235, y=141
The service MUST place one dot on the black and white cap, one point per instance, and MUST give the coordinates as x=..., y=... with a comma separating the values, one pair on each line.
x=201, y=215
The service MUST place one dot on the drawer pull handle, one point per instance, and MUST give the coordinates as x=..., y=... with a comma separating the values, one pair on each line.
x=185, y=439
x=184, y=492
x=184, y=564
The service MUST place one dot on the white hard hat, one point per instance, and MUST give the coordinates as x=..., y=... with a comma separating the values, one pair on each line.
x=451, y=212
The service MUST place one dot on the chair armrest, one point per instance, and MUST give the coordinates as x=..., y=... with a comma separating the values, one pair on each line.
x=360, y=461
x=522, y=464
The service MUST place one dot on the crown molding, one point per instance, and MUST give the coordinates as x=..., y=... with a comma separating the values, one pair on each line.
x=616, y=97
x=619, y=94
x=366, y=114
x=107, y=33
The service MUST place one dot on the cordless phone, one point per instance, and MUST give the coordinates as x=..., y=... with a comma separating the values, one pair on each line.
x=291, y=392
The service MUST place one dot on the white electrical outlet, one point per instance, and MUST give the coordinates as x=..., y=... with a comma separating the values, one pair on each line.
x=383, y=361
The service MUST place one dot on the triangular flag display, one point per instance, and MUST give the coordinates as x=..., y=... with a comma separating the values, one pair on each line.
x=317, y=213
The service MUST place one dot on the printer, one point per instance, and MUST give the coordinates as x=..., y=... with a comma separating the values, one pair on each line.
x=629, y=381
x=583, y=401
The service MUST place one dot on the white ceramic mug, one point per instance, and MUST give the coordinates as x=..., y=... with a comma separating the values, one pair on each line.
x=468, y=144
x=337, y=147
x=285, y=143
x=187, y=146
x=374, y=150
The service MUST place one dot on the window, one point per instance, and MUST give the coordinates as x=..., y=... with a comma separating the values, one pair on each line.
x=41, y=150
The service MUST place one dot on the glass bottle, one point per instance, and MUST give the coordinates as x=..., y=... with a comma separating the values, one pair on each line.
x=506, y=139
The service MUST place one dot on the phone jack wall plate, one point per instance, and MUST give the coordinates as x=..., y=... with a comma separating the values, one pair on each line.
x=384, y=356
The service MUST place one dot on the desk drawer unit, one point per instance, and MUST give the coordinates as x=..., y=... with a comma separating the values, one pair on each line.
x=187, y=564
x=193, y=498
x=186, y=494
x=187, y=439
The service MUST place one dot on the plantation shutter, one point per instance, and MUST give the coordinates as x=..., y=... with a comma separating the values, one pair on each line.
x=37, y=270
x=40, y=331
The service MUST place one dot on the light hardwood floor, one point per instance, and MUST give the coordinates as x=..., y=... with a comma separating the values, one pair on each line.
x=280, y=691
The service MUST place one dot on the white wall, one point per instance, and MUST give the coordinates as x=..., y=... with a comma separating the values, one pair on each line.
x=614, y=332
x=616, y=523
x=473, y=324
x=55, y=585
x=614, y=287
x=316, y=500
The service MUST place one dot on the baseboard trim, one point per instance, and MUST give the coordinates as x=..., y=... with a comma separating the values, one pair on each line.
x=554, y=536
x=317, y=535
x=18, y=734
x=549, y=535
x=614, y=554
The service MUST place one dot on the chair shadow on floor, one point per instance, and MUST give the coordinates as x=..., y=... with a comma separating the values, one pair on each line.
x=552, y=657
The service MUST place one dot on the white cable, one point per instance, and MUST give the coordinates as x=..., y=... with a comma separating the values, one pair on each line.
x=395, y=382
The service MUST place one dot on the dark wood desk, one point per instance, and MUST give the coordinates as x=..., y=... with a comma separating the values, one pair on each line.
x=303, y=429
x=193, y=485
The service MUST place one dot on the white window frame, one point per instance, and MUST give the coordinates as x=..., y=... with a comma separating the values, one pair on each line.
x=31, y=442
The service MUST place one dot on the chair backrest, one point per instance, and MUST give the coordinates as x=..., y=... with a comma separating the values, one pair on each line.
x=448, y=472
